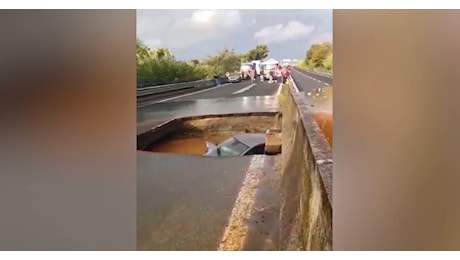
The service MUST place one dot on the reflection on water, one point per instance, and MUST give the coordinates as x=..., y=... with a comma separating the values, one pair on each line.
x=321, y=105
x=192, y=145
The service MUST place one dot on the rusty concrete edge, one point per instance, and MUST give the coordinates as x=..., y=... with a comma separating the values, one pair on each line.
x=190, y=118
x=318, y=143
x=178, y=120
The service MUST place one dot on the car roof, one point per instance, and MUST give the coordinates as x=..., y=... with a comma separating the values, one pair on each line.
x=250, y=139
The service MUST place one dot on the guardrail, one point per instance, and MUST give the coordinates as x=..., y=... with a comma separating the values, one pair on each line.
x=319, y=73
x=155, y=90
x=161, y=89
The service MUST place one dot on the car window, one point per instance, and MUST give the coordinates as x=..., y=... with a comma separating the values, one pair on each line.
x=232, y=147
x=259, y=149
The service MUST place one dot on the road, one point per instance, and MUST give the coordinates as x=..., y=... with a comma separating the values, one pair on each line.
x=152, y=115
x=230, y=204
x=189, y=202
x=239, y=97
x=307, y=81
x=241, y=89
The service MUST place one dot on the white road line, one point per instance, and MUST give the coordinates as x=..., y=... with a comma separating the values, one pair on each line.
x=295, y=85
x=314, y=79
x=279, y=89
x=189, y=94
x=244, y=89
x=237, y=229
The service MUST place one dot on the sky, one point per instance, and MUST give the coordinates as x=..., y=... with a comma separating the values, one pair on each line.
x=195, y=34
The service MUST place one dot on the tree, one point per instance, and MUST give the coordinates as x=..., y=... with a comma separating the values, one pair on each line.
x=163, y=53
x=317, y=54
x=157, y=67
x=225, y=61
x=327, y=63
x=142, y=50
x=260, y=52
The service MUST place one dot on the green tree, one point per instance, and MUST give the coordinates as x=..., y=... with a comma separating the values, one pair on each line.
x=225, y=61
x=142, y=51
x=163, y=53
x=317, y=55
x=260, y=52
x=157, y=67
x=327, y=63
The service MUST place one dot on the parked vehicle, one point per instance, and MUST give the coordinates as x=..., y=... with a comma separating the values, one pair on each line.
x=238, y=145
x=269, y=68
x=234, y=77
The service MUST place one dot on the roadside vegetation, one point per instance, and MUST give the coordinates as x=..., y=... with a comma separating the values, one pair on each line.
x=318, y=57
x=159, y=66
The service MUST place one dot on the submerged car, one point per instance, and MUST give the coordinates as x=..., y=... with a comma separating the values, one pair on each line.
x=238, y=145
x=235, y=77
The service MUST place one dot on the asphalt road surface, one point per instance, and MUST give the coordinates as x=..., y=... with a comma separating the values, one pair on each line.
x=304, y=80
x=152, y=115
x=307, y=81
x=241, y=89
x=202, y=203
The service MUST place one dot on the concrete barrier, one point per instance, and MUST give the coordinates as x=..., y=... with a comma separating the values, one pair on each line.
x=306, y=181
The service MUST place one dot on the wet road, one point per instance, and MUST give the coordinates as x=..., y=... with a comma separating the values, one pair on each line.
x=230, y=204
x=150, y=116
x=239, y=97
x=308, y=81
x=241, y=89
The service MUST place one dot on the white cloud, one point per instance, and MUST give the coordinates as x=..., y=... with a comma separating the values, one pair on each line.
x=193, y=34
x=204, y=25
x=294, y=30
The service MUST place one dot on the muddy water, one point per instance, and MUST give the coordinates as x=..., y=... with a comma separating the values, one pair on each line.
x=191, y=144
x=321, y=101
x=324, y=121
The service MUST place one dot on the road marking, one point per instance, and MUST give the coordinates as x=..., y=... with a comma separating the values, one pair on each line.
x=279, y=89
x=244, y=89
x=237, y=229
x=188, y=94
x=295, y=85
x=315, y=79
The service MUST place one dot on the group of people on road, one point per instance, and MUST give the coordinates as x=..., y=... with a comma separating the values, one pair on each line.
x=279, y=74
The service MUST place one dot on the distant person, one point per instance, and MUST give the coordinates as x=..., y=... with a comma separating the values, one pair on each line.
x=278, y=74
x=262, y=73
x=217, y=80
x=285, y=74
x=271, y=76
